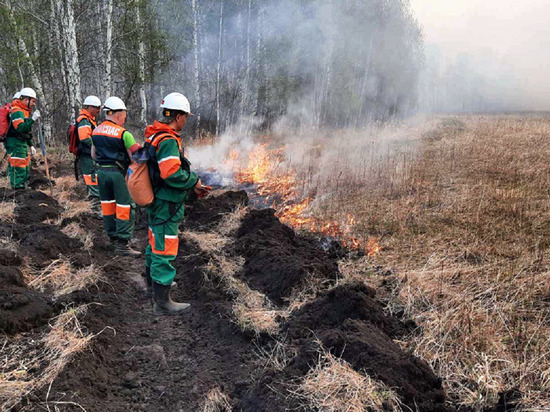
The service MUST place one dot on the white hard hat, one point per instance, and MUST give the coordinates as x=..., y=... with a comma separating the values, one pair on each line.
x=27, y=92
x=92, y=101
x=114, y=103
x=176, y=101
x=16, y=95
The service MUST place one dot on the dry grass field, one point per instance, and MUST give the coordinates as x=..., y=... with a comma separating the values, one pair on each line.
x=463, y=217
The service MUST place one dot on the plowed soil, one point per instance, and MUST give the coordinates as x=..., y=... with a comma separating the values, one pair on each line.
x=139, y=362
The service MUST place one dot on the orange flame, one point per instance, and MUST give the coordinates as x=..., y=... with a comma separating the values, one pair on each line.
x=271, y=183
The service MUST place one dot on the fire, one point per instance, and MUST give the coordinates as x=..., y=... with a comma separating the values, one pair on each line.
x=279, y=187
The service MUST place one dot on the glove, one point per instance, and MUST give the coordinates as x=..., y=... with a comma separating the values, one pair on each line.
x=36, y=115
x=203, y=191
x=33, y=151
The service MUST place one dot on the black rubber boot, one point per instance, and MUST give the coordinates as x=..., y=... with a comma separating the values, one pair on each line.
x=163, y=304
x=149, y=282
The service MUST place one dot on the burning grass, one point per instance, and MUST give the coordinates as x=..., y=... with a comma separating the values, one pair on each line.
x=32, y=363
x=61, y=278
x=333, y=385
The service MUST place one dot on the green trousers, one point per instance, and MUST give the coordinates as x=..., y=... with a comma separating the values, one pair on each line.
x=88, y=166
x=164, y=219
x=18, y=162
x=117, y=205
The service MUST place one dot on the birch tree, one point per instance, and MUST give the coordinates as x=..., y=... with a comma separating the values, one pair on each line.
x=196, y=61
x=141, y=69
x=108, y=47
x=72, y=67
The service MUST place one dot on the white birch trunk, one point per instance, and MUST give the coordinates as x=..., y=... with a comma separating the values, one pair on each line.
x=259, y=63
x=68, y=25
x=246, y=91
x=141, y=64
x=196, y=61
x=218, y=71
x=107, y=80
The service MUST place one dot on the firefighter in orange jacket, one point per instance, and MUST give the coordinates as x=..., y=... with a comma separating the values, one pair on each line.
x=85, y=125
x=171, y=182
x=19, y=138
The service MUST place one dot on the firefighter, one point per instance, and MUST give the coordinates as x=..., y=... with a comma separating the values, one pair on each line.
x=112, y=148
x=85, y=125
x=171, y=181
x=19, y=137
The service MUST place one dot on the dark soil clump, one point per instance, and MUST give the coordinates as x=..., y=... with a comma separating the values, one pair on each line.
x=277, y=260
x=39, y=181
x=9, y=258
x=206, y=213
x=352, y=325
x=353, y=301
x=35, y=207
x=22, y=309
x=46, y=242
x=10, y=276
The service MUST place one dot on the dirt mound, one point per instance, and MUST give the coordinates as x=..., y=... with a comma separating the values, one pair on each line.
x=45, y=242
x=39, y=181
x=35, y=207
x=22, y=309
x=276, y=259
x=352, y=325
x=10, y=276
x=206, y=213
x=9, y=258
x=353, y=301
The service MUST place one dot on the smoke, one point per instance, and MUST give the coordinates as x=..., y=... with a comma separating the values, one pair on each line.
x=470, y=83
x=328, y=63
x=485, y=56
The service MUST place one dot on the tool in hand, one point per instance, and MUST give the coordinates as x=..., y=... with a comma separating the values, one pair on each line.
x=43, y=147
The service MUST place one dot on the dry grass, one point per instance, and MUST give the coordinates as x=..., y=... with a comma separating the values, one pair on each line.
x=333, y=386
x=252, y=311
x=208, y=242
x=464, y=217
x=66, y=193
x=7, y=211
x=276, y=356
x=231, y=221
x=61, y=278
x=75, y=231
x=216, y=401
x=32, y=363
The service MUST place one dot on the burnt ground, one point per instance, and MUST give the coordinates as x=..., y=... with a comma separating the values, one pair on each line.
x=141, y=362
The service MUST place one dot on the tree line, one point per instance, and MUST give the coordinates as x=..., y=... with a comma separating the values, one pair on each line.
x=314, y=63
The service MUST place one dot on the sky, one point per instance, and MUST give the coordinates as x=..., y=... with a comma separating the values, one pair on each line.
x=514, y=33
